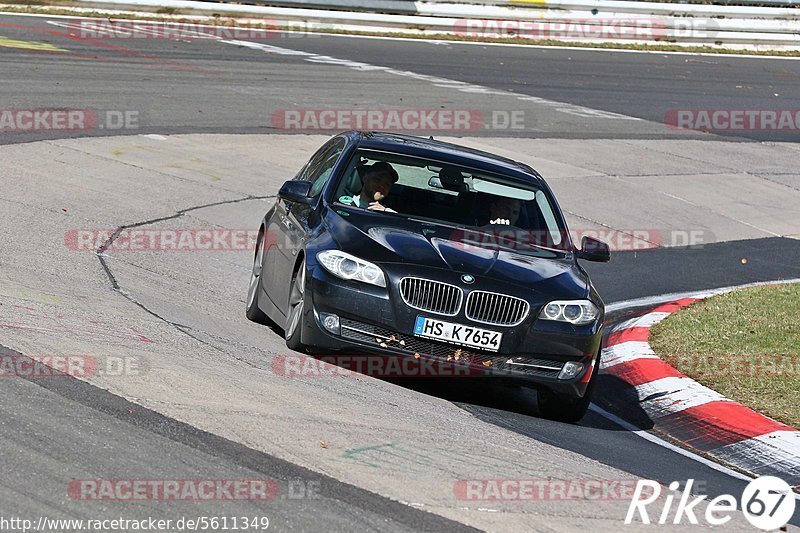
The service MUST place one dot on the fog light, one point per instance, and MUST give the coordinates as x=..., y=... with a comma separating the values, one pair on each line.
x=570, y=370
x=330, y=322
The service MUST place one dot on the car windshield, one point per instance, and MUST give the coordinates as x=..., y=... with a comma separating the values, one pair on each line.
x=492, y=211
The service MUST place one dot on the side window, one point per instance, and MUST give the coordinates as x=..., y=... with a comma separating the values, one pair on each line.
x=320, y=168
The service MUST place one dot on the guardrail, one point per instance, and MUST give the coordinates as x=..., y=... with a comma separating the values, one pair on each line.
x=586, y=21
x=407, y=6
x=711, y=3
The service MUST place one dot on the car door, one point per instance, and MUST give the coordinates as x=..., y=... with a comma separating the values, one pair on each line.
x=292, y=220
x=275, y=238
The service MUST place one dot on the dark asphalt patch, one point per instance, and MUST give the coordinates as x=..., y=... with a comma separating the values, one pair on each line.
x=660, y=271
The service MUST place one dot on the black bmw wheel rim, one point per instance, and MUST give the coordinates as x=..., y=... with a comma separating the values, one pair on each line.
x=296, y=301
x=255, y=275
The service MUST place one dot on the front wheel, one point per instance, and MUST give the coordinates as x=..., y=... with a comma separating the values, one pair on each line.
x=568, y=410
x=252, y=310
x=294, y=324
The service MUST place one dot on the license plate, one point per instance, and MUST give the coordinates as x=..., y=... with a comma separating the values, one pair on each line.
x=460, y=334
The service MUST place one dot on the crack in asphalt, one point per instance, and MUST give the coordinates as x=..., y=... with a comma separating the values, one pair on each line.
x=759, y=175
x=100, y=253
x=763, y=176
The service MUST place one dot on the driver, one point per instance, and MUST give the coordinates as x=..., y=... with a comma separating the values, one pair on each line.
x=504, y=210
x=377, y=183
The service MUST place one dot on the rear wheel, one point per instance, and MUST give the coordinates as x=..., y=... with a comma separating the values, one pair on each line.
x=252, y=310
x=294, y=323
x=565, y=409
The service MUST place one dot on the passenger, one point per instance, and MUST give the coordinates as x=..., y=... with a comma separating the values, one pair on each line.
x=377, y=181
x=504, y=210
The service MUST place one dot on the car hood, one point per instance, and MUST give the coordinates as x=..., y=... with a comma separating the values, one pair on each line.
x=388, y=239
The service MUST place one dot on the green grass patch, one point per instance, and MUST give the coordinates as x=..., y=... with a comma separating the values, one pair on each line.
x=744, y=345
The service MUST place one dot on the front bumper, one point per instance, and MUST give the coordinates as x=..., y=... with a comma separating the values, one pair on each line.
x=373, y=323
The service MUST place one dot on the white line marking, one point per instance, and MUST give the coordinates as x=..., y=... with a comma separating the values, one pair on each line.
x=570, y=109
x=670, y=297
x=429, y=40
x=547, y=47
x=668, y=445
x=269, y=48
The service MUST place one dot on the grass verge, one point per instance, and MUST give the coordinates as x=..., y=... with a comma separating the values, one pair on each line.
x=744, y=345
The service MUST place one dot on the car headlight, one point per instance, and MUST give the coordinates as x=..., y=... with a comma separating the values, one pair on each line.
x=346, y=266
x=578, y=312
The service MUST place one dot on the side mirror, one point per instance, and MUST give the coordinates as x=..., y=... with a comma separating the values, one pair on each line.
x=594, y=250
x=435, y=183
x=296, y=191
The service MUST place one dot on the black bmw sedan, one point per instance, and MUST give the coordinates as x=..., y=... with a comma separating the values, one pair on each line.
x=404, y=246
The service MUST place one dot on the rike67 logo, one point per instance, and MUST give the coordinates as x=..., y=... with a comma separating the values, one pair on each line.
x=767, y=502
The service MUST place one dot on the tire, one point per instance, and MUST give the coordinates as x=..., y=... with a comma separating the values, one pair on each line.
x=252, y=310
x=294, y=320
x=568, y=410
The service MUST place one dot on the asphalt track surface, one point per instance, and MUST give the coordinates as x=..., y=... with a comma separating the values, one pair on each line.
x=206, y=85
x=52, y=426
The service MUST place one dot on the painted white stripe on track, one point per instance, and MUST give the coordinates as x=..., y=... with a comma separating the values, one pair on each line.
x=671, y=297
x=671, y=447
x=269, y=48
x=570, y=109
x=121, y=14
x=668, y=445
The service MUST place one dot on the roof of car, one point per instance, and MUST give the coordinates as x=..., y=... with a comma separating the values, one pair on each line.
x=439, y=150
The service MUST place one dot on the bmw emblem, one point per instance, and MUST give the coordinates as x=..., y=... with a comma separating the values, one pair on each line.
x=466, y=278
